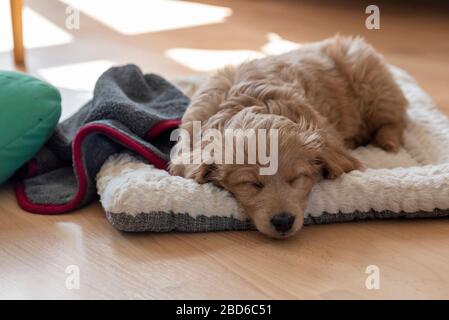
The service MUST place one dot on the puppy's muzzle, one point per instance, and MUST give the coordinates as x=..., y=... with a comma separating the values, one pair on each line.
x=283, y=222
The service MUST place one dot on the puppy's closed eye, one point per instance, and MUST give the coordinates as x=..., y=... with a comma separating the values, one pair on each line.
x=293, y=180
x=258, y=185
x=246, y=180
x=253, y=184
x=297, y=178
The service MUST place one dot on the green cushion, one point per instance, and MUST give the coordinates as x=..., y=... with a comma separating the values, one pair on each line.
x=29, y=111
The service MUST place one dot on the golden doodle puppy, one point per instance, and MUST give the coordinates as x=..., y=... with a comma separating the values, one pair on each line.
x=323, y=99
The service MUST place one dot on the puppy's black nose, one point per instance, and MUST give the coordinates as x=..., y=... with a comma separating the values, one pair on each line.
x=282, y=222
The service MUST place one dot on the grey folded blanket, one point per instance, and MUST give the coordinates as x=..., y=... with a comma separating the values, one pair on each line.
x=129, y=110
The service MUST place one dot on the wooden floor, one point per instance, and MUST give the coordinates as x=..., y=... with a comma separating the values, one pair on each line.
x=321, y=262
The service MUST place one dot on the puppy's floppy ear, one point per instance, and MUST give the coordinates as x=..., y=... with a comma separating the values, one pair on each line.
x=335, y=160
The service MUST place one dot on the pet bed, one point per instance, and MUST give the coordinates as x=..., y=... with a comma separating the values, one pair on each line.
x=414, y=183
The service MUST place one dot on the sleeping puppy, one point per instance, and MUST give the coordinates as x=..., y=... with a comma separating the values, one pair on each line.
x=323, y=99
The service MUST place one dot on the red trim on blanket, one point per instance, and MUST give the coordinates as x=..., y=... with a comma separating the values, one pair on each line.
x=161, y=127
x=32, y=168
x=78, y=164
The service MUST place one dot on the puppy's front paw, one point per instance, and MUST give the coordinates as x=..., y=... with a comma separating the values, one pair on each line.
x=352, y=164
x=340, y=163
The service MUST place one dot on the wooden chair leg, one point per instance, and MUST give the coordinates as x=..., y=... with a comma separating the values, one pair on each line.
x=17, y=29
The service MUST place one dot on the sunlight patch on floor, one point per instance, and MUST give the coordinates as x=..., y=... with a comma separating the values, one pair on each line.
x=208, y=60
x=79, y=76
x=277, y=45
x=141, y=16
x=38, y=31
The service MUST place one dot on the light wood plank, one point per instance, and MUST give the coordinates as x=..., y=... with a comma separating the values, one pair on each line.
x=326, y=261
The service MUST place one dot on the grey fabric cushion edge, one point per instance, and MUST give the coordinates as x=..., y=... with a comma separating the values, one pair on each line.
x=183, y=222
